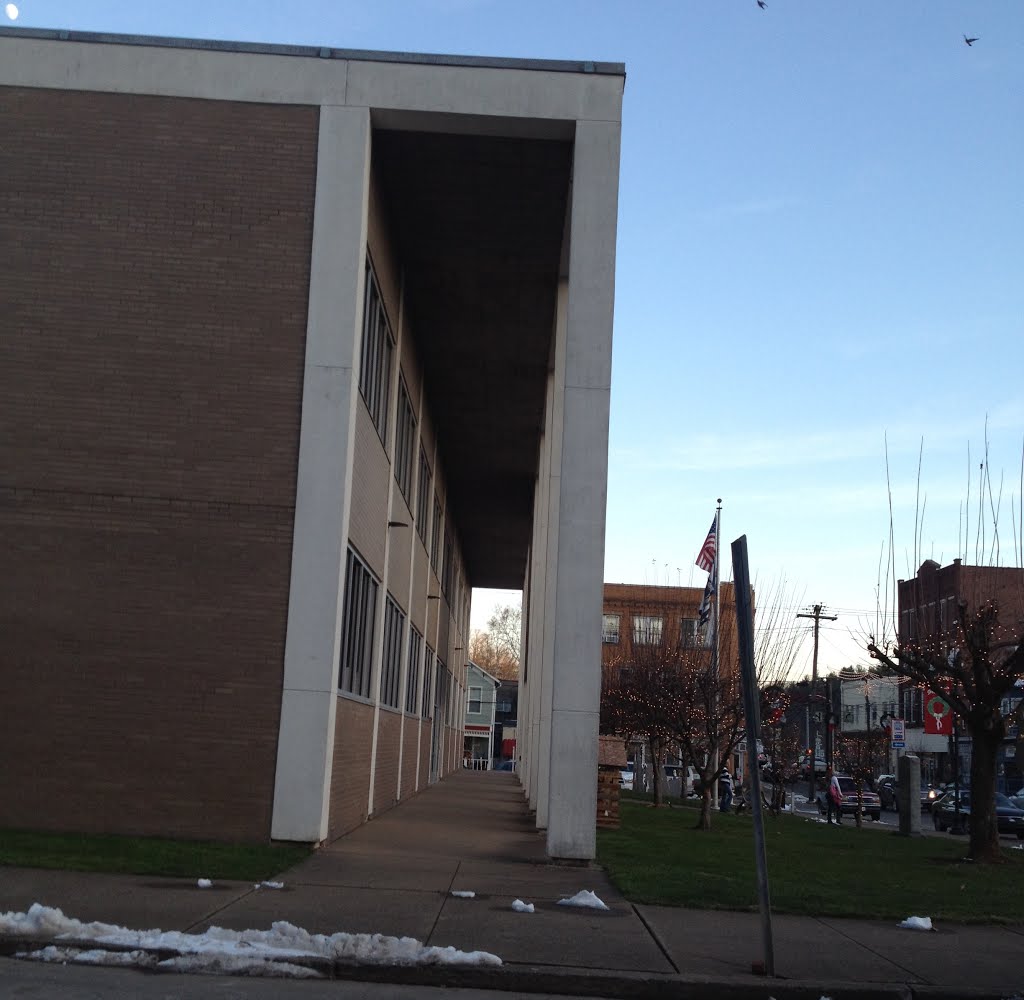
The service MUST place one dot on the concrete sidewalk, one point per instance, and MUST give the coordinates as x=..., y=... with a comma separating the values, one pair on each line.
x=472, y=832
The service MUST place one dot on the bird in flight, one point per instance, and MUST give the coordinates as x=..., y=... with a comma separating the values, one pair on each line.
x=761, y=4
x=970, y=41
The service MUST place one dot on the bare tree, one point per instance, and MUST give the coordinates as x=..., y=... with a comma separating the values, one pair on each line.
x=496, y=648
x=970, y=653
x=861, y=755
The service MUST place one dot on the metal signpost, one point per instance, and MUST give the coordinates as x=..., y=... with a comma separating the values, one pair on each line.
x=748, y=672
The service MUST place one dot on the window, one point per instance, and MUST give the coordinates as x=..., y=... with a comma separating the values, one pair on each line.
x=435, y=537
x=357, y=627
x=446, y=568
x=377, y=350
x=909, y=623
x=391, y=666
x=427, y=706
x=647, y=630
x=475, y=695
x=423, y=496
x=412, y=678
x=405, y=442
x=692, y=635
x=609, y=628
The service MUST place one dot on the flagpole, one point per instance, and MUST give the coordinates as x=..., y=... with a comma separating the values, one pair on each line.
x=715, y=649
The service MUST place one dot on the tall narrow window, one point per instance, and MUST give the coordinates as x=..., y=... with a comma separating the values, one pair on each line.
x=427, y=706
x=475, y=698
x=447, y=568
x=357, y=627
x=423, y=496
x=412, y=677
x=377, y=351
x=405, y=442
x=435, y=537
x=391, y=667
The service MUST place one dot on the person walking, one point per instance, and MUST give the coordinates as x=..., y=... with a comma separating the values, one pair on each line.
x=834, y=796
x=725, y=790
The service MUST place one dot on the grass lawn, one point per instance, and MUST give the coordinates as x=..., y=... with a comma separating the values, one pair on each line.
x=146, y=855
x=656, y=856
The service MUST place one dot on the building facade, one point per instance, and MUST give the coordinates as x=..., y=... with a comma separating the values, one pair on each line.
x=478, y=727
x=300, y=346
x=929, y=605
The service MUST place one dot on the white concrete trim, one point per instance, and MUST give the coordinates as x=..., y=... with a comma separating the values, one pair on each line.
x=270, y=78
x=324, y=487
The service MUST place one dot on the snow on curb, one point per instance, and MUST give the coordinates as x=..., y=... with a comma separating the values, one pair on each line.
x=463, y=893
x=520, y=907
x=282, y=941
x=584, y=898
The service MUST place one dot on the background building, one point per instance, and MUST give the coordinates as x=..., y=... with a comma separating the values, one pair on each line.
x=300, y=345
x=478, y=731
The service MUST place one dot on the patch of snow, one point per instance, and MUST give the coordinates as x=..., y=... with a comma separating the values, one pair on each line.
x=463, y=893
x=282, y=941
x=204, y=883
x=238, y=965
x=520, y=907
x=92, y=956
x=584, y=898
x=918, y=924
x=269, y=885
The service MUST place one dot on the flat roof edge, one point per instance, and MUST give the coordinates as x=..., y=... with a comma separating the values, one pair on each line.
x=315, y=52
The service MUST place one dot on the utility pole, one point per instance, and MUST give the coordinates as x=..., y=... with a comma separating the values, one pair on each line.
x=812, y=740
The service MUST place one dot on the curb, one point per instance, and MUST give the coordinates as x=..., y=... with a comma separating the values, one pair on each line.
x=568, y=981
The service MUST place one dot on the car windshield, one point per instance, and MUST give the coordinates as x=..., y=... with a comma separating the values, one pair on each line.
x=1003, y=800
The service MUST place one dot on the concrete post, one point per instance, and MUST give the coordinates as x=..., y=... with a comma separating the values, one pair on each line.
x=909, y=795
x=577, y=584
x=323, y=496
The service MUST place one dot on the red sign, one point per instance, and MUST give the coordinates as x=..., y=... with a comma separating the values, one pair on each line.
x=938, y=717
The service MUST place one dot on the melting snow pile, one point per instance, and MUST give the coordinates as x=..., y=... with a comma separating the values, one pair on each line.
x=222, y=950
x=269, y=885
x=584, y=898
x=918, y=924
x=520, y=907
x=463, y=893
x=204, y=883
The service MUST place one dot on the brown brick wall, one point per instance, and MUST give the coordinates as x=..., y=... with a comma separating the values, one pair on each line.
x=385, y=784
x=156, y=271
x=350, y=777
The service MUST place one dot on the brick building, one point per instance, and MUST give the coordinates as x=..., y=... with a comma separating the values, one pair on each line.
x=638, y=613
x=299, y=346
x=928, y=609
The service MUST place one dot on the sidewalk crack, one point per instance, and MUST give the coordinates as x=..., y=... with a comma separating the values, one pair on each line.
x=657, y=940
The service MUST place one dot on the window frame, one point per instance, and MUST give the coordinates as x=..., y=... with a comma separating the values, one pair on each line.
x=607, y=632
x=377, y=354
x=391, y=658
x=358, y=626
x=648, y=625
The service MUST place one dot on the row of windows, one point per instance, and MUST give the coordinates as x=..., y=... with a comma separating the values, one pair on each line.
x=378, y=350
x=649, y=630
x=357, y=644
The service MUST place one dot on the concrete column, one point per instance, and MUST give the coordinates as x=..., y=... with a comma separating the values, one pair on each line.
x=319, y=545
x=578, y=583
x=909, y=793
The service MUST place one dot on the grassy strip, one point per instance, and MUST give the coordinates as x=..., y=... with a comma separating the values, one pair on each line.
x=657, y=856
x=146, y=855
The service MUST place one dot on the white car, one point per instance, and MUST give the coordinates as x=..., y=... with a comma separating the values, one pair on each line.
x=626, y=780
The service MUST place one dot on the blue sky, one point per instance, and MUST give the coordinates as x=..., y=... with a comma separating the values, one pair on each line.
x=820, y=248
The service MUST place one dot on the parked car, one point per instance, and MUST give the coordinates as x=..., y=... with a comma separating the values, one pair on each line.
x=1017, y=799
x=626, y=780
x=1009, y=819
x=888, y=791
x=848, y=786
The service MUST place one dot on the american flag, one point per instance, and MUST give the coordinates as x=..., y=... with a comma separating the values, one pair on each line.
x=706, y=556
